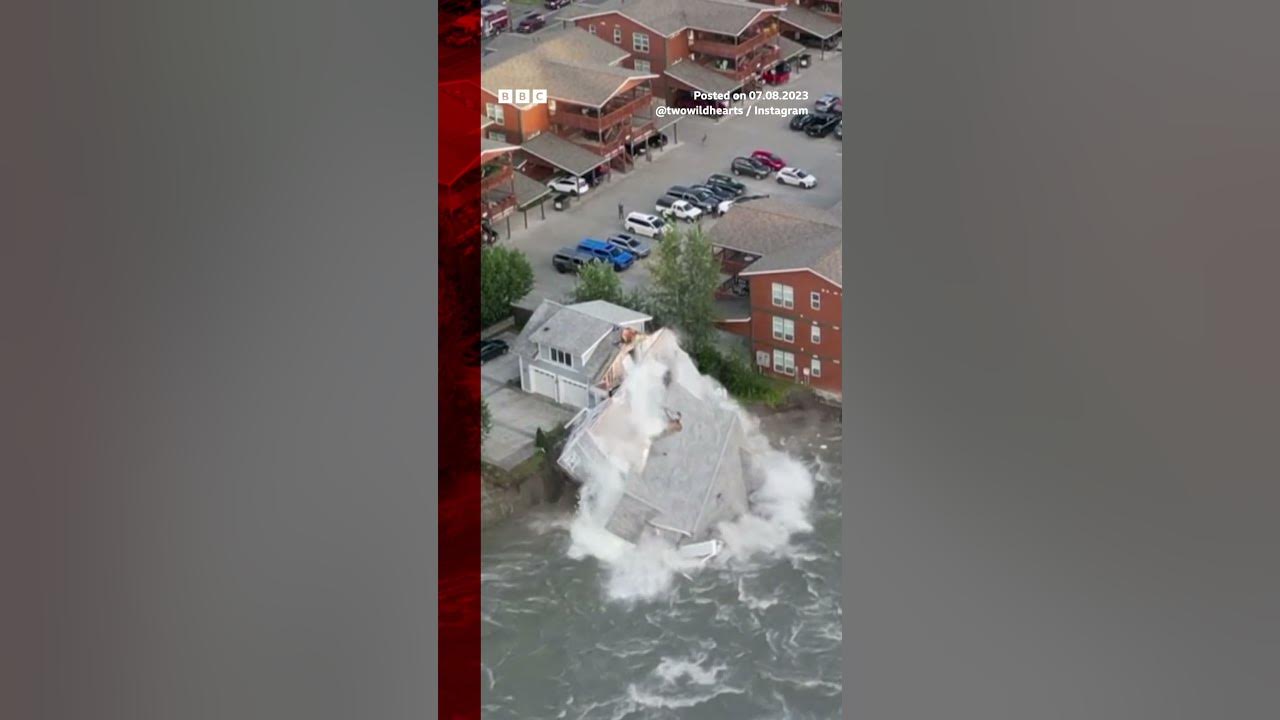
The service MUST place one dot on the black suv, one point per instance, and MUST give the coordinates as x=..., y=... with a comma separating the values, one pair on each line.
x=490, y=349
x=750, y=166
x=704, y=201
x=727, y=183
x=822, y=128
x=719, y=193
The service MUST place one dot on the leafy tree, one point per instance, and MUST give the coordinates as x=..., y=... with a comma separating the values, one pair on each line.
x=505, y=277
x=684, y=280
x=598, y=281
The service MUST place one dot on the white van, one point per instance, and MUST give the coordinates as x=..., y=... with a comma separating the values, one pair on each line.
x=644, y=224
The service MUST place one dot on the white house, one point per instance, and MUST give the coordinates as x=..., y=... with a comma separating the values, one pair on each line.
x=573, y=353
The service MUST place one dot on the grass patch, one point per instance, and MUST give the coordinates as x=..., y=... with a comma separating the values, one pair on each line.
x=517, y=475
x=740, y=379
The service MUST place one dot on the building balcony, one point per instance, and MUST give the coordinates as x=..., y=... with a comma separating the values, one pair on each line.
x=723, y=46
x=745, y=67
x=495, y=175
x=497, y=206
x=615, y=112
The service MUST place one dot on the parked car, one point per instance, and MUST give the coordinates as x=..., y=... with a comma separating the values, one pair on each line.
x=488, y=235
x=798, y=122
x=704, y=201
x=645, y=224
x=630, y=243
x=804, y=60
x=531, y=23
x=727, y=183
x=657, y=141
x=840, y=131
x=778, y=74
x=822, y=128
x=829, y=44
x=826, y=102
x=569, y=259
x=602, y=250
x=490, y=349
x=569, y=184
x=750, y=166
x=677, y=208
x=772, y=161
x=555, y=4
x=719, y=193
x=796, y=177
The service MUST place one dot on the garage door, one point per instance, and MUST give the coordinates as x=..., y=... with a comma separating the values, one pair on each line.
x=572, y=393
x=542, y=382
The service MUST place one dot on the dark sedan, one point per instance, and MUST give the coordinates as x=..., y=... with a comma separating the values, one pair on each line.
x=726, y=182
x=490, y=349
x=531, y=23
x=750, y=166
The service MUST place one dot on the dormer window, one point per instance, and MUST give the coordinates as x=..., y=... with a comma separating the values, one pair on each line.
x=560, y=357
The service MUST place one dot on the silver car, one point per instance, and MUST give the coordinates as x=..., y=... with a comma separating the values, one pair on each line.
x=630, y=243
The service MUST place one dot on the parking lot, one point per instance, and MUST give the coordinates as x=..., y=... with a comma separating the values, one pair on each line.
x=686, y=163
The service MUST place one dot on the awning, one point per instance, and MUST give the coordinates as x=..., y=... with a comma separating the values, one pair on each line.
x=702, y=78
x=788, y=48
x=810, y=22
x=563, y=154
x=528, y=190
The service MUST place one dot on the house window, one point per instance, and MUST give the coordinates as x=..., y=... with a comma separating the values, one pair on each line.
x=815, y=367
x=560, y=357
x=815, y=334
x=493, y=112
x=784, y=295
x=642, y=65
x=617, y=36
x=784, y=362
x=640, y=42
x=499, y=136
x=784, y=329
x=815, y=301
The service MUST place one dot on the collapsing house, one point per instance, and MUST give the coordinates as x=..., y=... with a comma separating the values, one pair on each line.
x=677, y=445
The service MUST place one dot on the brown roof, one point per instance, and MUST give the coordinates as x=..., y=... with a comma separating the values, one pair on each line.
x=810, y=21
x=788, y=236
x=668, y=17
x=570, y=64
x=563, y=154
x=788, y=47
x=700, y=77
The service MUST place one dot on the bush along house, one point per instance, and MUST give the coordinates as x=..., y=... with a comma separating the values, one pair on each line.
x=783, y=264
x=711, y=46
x=595, y=109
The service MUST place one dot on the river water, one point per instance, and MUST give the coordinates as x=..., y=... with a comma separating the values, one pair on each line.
x=737, y=639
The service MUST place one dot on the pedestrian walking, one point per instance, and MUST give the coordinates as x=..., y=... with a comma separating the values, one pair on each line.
x=619, y=211
x=704, y=139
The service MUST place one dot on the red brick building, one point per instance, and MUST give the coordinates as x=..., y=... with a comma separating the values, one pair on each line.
x=704, y=45
x=817, y=23
x=596, y=108
x=784, y=266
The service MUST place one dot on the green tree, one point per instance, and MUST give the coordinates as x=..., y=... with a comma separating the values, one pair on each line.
x=684, y=281
x=598, y=281
x=505, y=277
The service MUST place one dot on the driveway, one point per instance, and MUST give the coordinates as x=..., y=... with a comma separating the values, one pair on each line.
x=688, y=162
x=516, y=415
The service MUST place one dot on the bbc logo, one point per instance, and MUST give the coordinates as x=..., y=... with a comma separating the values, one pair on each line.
x=522, y=97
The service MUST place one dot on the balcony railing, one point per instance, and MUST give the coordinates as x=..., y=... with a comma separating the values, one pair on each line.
x=723, y=46
x=748, y=66
x=498, y=207
x=495, y=176
x=574, y=116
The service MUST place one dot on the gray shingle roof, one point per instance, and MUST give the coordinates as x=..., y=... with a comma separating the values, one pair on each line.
x=528, y=190
x=571, y=64
x=786, y=236
x=810, y=21
x=702, y=78
x=571, y=331
x=609, y=312
x=576, y=330
x=668, y=17
x=788, y=47
x=563, y=154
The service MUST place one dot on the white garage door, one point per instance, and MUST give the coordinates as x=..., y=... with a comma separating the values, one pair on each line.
x=542, y=382
x=572, y=393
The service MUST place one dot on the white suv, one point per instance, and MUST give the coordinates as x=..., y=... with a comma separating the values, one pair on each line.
x=646, y=225
x=575, y=185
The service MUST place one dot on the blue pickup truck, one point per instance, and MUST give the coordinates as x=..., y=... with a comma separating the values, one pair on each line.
x=601, y=250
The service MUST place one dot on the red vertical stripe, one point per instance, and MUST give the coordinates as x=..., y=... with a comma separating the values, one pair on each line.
x=459, y=378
